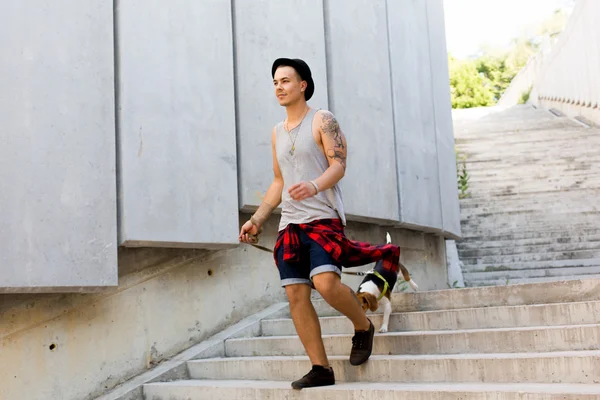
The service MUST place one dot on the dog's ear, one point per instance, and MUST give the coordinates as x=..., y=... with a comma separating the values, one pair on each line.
x=371, y=301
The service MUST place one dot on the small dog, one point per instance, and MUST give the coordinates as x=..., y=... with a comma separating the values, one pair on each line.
x=377, y=287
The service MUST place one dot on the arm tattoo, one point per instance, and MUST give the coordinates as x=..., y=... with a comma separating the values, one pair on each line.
x=332, y=129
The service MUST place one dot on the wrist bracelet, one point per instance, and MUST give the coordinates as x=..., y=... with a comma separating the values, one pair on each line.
x=315, y=185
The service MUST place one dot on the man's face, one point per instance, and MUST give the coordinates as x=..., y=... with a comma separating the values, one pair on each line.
x=288, y=86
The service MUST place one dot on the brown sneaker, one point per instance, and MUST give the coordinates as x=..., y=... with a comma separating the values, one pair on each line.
x=362, y=345
x=318, y=376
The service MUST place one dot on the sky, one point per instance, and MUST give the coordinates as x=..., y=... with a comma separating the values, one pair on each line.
x=471, y=23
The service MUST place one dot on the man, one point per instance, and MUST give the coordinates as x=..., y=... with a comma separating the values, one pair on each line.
x=309, y=160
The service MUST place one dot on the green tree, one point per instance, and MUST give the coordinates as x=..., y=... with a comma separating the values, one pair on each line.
x=468, y=88
x=482, y=80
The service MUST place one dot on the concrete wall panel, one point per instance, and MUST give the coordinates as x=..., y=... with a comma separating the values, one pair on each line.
x=568, y=78
x=264, y=31
x=361, y=99
x=57, y=158
x=443, y=119
x=414, y=115
x=177, y=123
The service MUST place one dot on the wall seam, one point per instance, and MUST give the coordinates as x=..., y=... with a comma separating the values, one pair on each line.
x=393, y=99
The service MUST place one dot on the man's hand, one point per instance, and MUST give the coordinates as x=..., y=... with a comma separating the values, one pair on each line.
x=248, y=229
x=302, y=190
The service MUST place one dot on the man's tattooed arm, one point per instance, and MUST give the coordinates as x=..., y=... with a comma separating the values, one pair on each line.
x=334, y=142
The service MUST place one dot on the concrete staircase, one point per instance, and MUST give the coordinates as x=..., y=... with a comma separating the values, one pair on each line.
x=526, y=342
x=533, y=211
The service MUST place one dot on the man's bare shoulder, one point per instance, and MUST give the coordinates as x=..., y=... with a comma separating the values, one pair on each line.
x=324, y=115
x=328, y=123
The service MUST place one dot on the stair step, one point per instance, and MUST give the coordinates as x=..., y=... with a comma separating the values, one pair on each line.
x=500, y=340
x=530, y=230
x=547, y=193
x=491, y=229
x=529, y=139
x=475, y=130
x=533, y=265
x=553, y=367
x=452, y=299
x=532, y=257
x=529, y=159
x=576, y=313
x=484, y=176
x=281, y=390
x=502, y=192
x=513, y=249
x=564, y=234
x=527, y=198
x=534, y=210
x=567, y=238
x=532, y=273
x=524, y=167
x=527, y=281
x=579, y=216
x=555, y=138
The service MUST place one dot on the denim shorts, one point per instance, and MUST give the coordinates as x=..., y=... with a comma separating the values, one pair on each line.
x=314, y=260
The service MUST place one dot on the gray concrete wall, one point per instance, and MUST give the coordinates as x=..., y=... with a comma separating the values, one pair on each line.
x=394, y=108
x=195, y=108
x=57, y=157
x=444, y=131
x=265, y=30
x=167, y=300
x=361, y=99
x=569, y=77
x=416, y=141
x=177, y=140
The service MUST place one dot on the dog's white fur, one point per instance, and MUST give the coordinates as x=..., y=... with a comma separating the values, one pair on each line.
x=387, y=311
x=370, y=287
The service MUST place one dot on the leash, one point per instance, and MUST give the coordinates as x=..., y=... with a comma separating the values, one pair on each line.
x=359, y=273
x=263, y=248
x=254, y=238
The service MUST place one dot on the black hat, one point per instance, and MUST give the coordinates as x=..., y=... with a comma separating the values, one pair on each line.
x=301, y=68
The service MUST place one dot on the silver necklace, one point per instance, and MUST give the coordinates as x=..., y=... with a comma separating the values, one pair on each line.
x=290, y=132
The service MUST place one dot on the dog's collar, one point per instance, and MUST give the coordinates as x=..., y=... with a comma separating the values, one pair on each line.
x=386, y=286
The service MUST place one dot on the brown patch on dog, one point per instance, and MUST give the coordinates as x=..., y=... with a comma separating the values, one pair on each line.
x=368, y=300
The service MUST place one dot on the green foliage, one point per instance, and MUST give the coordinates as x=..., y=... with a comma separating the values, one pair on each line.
x=480, y=81
x=463, y=182
x=467, y=87
x=462, y=174
x=454, y=285
x=525, y=95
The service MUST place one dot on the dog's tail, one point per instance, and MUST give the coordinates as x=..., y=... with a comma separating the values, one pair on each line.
x=413, y=285
x=403, y=269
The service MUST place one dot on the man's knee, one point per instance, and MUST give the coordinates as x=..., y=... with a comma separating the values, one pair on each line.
x=298, y=293
x=327, y=283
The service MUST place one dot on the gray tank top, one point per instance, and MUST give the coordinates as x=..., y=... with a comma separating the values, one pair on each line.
x=307, y=163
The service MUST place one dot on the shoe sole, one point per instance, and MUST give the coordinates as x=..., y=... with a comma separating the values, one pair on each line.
x=311, y=386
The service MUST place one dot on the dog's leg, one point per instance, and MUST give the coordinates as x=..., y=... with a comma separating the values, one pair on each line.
x=387, y=311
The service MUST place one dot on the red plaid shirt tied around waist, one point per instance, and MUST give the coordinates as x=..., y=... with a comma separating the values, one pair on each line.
x=329, y=233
